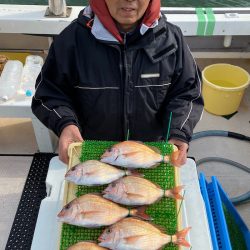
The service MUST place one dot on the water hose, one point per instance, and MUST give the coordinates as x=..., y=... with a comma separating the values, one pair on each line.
x=220, y=133
x=244, y=197
x=224, y=160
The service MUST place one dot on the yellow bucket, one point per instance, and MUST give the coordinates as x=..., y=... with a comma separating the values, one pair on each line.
x=223, y=88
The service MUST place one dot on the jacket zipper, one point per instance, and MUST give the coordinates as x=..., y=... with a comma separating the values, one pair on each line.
x=125, y=89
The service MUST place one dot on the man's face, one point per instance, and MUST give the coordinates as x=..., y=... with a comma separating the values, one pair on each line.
x=127, y=12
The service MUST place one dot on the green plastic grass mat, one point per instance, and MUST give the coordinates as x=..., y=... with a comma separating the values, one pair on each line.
x=236, y=237
x=163, y=212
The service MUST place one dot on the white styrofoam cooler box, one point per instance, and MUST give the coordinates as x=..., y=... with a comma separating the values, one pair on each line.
x=47, y=231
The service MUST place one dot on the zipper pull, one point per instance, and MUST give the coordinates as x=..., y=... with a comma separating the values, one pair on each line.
x=125, y=40
x=127, y=135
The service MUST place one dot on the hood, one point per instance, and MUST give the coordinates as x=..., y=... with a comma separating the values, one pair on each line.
x=104, y=23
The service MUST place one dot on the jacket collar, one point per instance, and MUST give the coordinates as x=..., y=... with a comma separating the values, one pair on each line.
x=158, y=43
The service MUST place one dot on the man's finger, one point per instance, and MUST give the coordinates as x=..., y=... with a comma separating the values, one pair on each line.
x=63, y=154
x=64, y=158
x=79, y=138
x=179, y=158
x=182, y=157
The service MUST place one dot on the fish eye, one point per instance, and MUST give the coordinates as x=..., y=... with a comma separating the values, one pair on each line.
x=73, y=168
x=109, y=230
x=109, y=150
x=67, y=206
x=113, y=184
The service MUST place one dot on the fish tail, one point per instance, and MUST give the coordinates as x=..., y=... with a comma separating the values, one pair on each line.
x=174, y=193
x=133, y=173
x=179, y=237
x=140, y=212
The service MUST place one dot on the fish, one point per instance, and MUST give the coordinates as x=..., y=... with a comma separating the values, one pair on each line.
x=93, y=173
x=85, y=245
x=131, y=154
x=137, y=191
x=134, y=234
x=93, y=211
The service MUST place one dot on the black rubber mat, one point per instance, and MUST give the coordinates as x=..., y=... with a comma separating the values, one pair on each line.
x=34, y=192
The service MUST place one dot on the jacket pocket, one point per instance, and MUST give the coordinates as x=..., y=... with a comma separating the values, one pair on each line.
x=154, y=87
x=100, y=101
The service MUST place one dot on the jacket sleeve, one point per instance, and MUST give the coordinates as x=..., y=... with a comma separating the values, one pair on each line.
x=52, y=102
x=184, y=98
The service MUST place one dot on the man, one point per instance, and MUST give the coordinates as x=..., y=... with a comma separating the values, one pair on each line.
x=119, y=69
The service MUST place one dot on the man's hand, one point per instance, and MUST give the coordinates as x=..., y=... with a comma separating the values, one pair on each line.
x=181, y=157
x=69, y=135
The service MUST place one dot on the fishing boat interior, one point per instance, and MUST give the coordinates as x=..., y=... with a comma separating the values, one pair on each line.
x=216, y=176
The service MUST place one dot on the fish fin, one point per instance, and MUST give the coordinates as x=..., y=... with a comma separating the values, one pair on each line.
x=174, y=193
x=159, y=227
x=161, y=248
x=96, y=194
x=130, y=154
x=140, y=142
x=134, y=173
x=132, y=239
x=156, y=184
x=90, y=214
x=133, y=195
x=90, y=173
x=155, y=149
x=140, y=212
x=156, y=165
x=180, y=237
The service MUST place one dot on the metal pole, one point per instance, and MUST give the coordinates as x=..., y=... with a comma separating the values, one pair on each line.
x=58, y=7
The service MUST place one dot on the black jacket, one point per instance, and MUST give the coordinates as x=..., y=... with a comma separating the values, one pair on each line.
x=108, y=89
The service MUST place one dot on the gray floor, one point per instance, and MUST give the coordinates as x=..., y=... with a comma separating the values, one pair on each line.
x=17, y=136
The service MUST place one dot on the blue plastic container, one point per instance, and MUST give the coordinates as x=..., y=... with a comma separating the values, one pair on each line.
x=214, y=198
